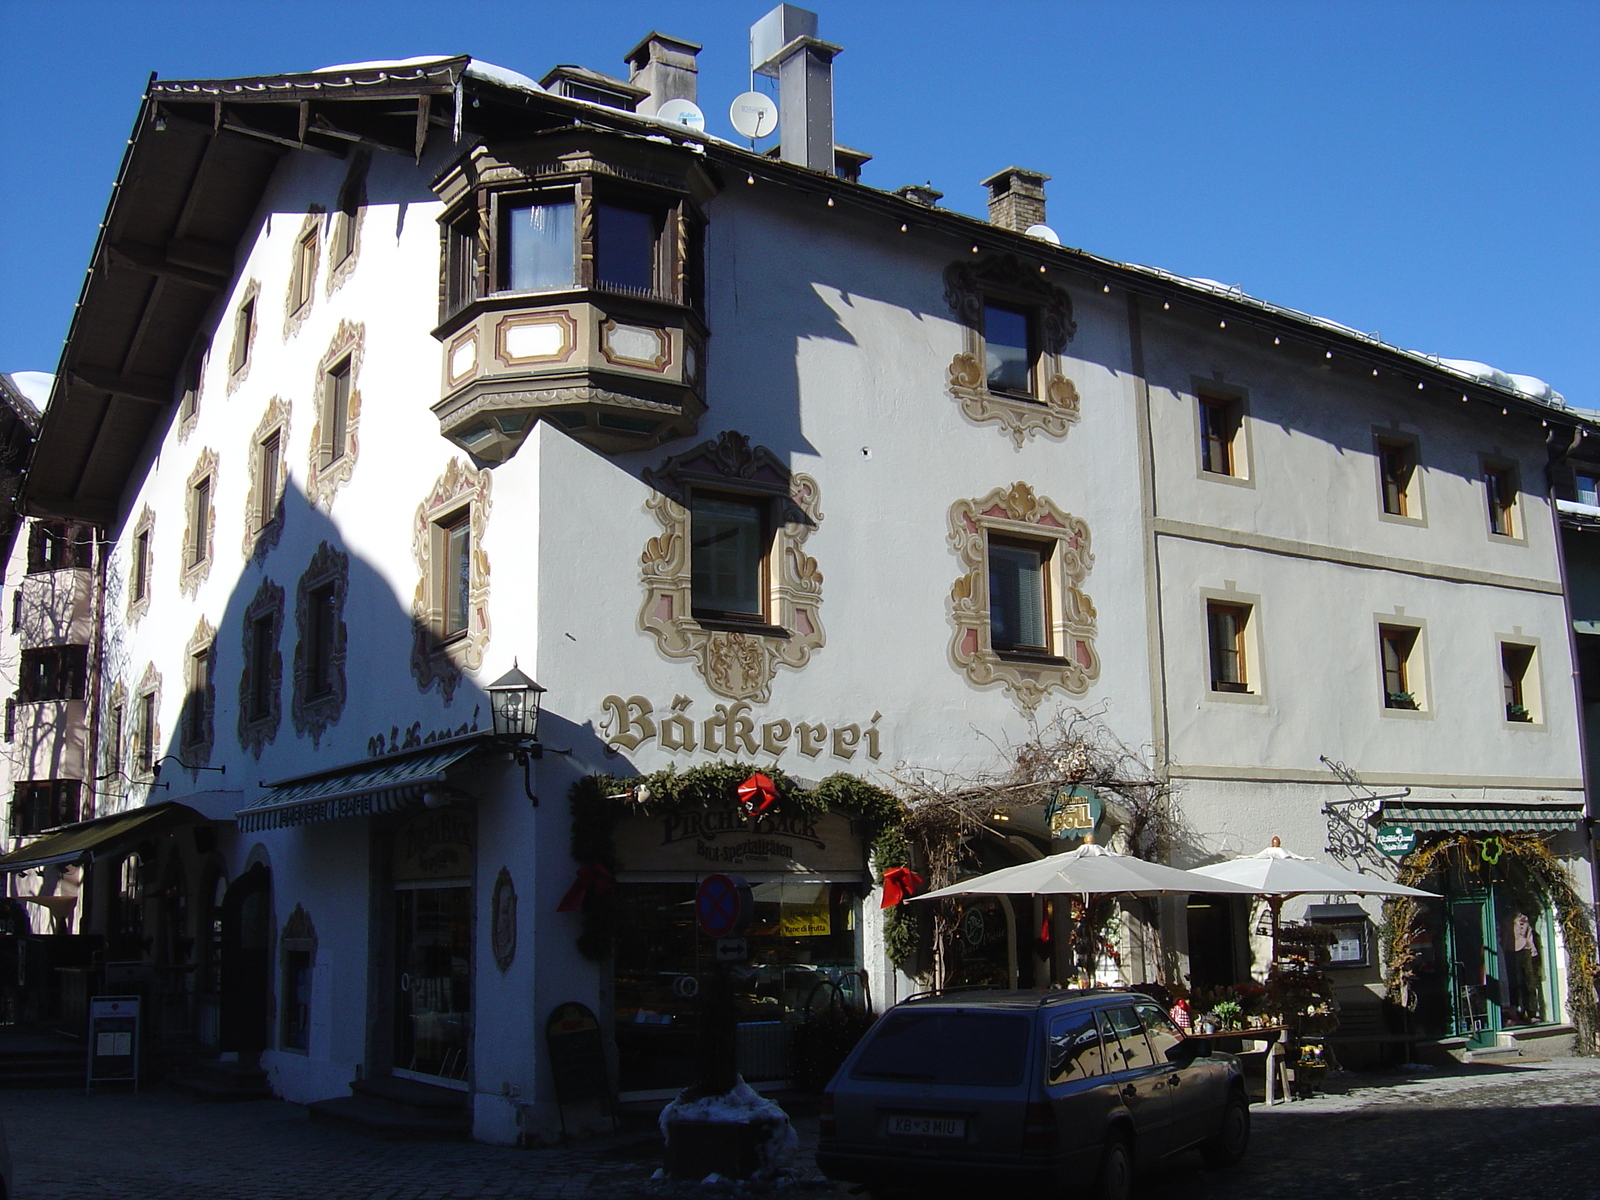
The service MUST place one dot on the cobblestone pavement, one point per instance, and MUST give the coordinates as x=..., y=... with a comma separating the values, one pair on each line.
x=1530, y=1131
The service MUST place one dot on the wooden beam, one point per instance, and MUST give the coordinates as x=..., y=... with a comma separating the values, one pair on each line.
x=147, y=388
x=154, y=261
x=424, y=107
x=233, y=124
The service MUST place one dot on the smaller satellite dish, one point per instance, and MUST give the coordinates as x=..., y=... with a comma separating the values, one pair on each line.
x=1044, y=233
x=682, y=112
x=753, y=114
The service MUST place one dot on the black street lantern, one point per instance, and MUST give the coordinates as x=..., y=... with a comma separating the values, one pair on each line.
x=514, y=705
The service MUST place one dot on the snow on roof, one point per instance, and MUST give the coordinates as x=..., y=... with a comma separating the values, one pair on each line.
x=477, y=68
x=35, y=385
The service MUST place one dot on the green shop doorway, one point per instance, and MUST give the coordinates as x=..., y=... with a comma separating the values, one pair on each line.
x=432, y=914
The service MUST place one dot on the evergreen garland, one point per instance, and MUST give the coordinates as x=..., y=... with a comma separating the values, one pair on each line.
x=600, y=801
x=1547, y=876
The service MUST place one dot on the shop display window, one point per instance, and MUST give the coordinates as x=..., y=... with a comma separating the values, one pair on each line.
x=805, y=941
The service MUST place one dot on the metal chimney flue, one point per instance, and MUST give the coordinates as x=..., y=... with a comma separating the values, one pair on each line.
x=784, y=43
x=666, y=67
x=1016, y=198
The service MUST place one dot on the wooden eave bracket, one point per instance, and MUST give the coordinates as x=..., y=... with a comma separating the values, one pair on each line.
x=152, y=260
x=148, y=388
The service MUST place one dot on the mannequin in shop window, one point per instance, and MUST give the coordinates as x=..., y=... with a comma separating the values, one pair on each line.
x=1527, y=980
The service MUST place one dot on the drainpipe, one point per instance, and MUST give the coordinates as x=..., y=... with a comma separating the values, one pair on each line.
x=1557, y=453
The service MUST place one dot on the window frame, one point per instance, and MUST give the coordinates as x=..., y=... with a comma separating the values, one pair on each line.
x=198, y=700
x=445, y=526
x=1409, y=495
x=1049, y=587
x=1509, y=508
x=244, y=335
x=715, y=618
x=145, y=732
x=1234, y=405
x=334, y=443
x=200, y=502
x=53, y=674
x=1391, y=629
x=62, y=800
x=303, y=285
x=662, y=286
x=1527, y=684
x=1030, y=316
x=501, y=203
x=1249, y=645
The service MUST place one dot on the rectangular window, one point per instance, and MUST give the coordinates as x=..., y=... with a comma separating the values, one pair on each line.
x=244, y=325
x=16, y=610
x=1019, y=601
x=626, y=249
x=336, y=414
x=540, y=251
x=1397, y=465
x=114, y=744
x=1517, y=680
x=11, y=718
x=261, y=651
x=461, y=262
x=305, y=269
x=457, y=574
x=52, y=673
x=59, y=546
x=200, y=522
x=1225, y=628
x=1074, y=1050
x=1500, y=491
x=319, y=659
x=728, y=550
x=195, y=703
x=144, y=736
x=1587, y=488
x=267, y=495
x=1397, y=644
x=1219, y=432
x=1008, y=349
x=43, y=804
x=192, y=372
x=141, y=564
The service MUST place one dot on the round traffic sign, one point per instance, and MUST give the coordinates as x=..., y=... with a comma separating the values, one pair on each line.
x=722, y=905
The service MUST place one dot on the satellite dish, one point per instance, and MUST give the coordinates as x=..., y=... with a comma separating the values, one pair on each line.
x=682, y=112
x=1044, y=233
x=753, y=114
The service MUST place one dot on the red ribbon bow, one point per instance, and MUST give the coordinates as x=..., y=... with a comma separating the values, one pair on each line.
x=899, y=883
x=757, y=794
x=592, y=880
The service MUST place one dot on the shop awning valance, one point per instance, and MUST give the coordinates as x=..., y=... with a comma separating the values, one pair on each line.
x=376, y=785
x=1472, y=817
x=99, y=838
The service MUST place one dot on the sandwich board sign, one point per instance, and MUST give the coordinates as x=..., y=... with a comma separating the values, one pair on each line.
x=113, y=1040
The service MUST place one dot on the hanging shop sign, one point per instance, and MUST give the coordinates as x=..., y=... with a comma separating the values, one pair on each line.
x=1396, y=841
x=632, y=721
x=1073, y=812
x=711, y=839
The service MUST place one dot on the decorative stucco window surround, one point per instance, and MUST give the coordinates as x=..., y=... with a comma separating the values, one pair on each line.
x=297, y=951
x=258, y=723
x=114, y=745
x=246, y=319
x=344, y=232
x=141, y=542
x=317, y=704
x=334, y=447
x=200, y=524
x=261, y=535
x=146, y=717
x=199, y=695
x=194, y=370
x=618, y=363
x=1005, y=279
x=306, y=258
x=1018, y=513
x=438, y=657
x=735, y=663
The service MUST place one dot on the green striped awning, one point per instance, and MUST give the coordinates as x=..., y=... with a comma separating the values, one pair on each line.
x=357, y=790
x=99, y=838
x=1467, y=816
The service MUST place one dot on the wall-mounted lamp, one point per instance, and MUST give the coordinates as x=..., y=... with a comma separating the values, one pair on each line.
x=514, y=709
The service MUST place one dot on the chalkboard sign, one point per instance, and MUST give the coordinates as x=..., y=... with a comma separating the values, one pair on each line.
x=577, y=1058
x=113, y=1040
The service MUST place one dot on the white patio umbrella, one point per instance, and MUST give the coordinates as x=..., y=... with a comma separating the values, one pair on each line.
x=1279, y=874
x=1090, y=870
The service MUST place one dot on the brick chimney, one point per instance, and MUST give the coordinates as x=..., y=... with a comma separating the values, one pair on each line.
x=1016, y=198
x=666, y=68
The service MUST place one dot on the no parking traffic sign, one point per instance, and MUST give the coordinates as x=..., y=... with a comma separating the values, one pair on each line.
x=723, y=906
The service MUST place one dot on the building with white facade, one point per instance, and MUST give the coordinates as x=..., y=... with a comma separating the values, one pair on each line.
x=389, y=377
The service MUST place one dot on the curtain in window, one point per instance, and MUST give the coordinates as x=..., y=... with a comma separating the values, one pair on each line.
x=541, y=246
x=1016, y=597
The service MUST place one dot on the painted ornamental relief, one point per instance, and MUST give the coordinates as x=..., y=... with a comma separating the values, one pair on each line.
x=735, y=663
x=1018, y=512
x=1003, y=277
x=259, y=536
x=328, y=471
x=437, y=660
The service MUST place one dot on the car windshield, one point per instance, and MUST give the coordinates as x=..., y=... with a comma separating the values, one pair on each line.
x=962, y=1048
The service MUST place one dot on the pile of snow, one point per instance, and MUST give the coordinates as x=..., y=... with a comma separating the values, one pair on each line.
x=1527, y=385
x=742, y=1106
x=35, y=385
x=476, y=68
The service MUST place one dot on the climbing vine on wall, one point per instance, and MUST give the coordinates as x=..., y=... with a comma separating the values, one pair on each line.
x=600, y=801
x=1469, y=855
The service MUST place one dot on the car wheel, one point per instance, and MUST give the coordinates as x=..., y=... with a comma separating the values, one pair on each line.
x=1233, y=1139
x=1115, y=1180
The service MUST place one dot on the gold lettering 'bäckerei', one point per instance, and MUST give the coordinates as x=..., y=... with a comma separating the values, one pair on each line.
x=632, y=721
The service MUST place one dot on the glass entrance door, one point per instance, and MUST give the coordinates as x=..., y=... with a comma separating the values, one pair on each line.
x=1475, y=968
x=433, y=981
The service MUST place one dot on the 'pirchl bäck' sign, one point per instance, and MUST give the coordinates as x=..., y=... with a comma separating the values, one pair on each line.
x=632, y=721
x=717, y=839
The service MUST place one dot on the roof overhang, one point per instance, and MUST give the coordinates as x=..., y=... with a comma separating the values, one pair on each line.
x=103, y=837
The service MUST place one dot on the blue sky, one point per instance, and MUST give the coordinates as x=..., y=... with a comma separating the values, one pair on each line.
x=1426, y=170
